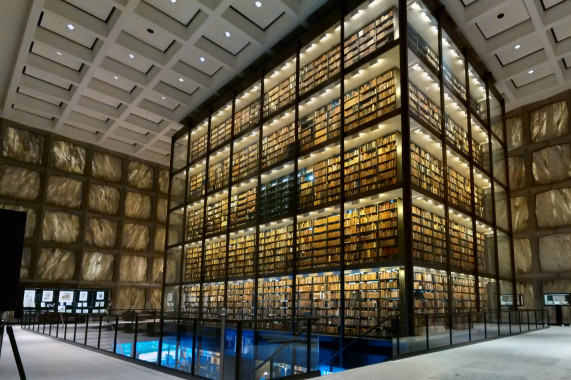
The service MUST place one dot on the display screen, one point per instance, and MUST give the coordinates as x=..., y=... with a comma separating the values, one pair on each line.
x=556, y=299
x=508, y=299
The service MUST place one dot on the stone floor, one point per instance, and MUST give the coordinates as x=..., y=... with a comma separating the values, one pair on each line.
x=543, y=354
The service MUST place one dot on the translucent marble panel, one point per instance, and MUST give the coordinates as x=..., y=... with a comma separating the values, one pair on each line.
x=164, y=181
x=554, y=253
x=133, y=269
x=162, y=210
x=553, y=208
x=156, y=295
x=107, y=167
x=19, y=183
x=135, y=237
x=26, y=262
x=104, y=199
x=60, y=227
x=65, y=192
x=520, y=213
x=56, y=264
x=522, y=253
x=160, y=236
x=137, y=206
x=516, y=168
x=67, y=157
x=140, y=175
x=504, y=256
x=130, y=298
x=514, y=130
x=22, y=145
x=97, y=266
x=158, y=265
x=552, y=164
x=526, y=289
x=548, y=122
x=101, y=233
x=30, y=219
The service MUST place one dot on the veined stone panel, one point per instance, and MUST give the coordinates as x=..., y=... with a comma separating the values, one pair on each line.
x=138, y=206
x=177, y=188
x=56, y=264
x=522, y=255
x=104, y=199
x=156, y=295
x=130, y=298
x=107, y=167
x=548, y=122
x=555, y=253
x=160, y=236
x=30, y=218
x=101, y=233
x=516, y=168
x=164, y=181
x=19, y=183
x=97, y=267
x=504, y=254
x=67, y=157
x=135, y=237
x=140, y=175
x=520, y=214
x=553, y=208
x=552, y=164
x=526, y=289
x=502, y=213
x=162, y=205
x=65, y=192
x=22, y=145
x=26, y=262
x=158, y=265
x=60, y=227
x=514, y=130
x=133, y=269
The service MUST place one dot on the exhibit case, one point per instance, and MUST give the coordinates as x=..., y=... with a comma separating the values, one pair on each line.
x=358, y=176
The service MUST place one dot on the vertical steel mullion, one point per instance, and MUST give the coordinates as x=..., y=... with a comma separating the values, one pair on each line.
x=99, y=334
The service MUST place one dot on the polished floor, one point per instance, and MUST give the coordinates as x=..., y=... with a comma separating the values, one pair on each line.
x=543, y=354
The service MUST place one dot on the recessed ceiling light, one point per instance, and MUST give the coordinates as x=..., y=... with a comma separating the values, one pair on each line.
x=163, y=98
x=227, y=34
x=530, y=71
x=115, y=77
x=173, y=1
x=58, y=53
x=131, y=55
x=202, y=59
x=517, y=46
x=180, y=80
x=258, y=4
x=70, y=26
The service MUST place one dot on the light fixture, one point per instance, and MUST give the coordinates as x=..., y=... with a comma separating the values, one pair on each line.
x=173, y=1
x=202, y=59
x=517, y=46
x=163, y=98
x=180, y=80
x=58, y=53
x=530, y=71
x=115, y=77
x=258, y=4
x=70, y=26
x=131, y=55
x=227, y=34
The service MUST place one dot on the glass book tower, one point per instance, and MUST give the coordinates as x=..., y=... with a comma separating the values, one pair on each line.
x=360, y=176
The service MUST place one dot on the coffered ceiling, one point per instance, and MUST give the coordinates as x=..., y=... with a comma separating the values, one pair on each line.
x=122, y=74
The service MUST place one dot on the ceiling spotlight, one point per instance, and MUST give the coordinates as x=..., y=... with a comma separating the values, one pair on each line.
x=258, y=4
x=180, y=80
x=58, y=53
x=70, y=26
x=162, y=97
x=131, y=55
x=115, y=77
x=202, y=59
x=173, y=1
x=517, y=46
x=227, y=34
x=530, y=71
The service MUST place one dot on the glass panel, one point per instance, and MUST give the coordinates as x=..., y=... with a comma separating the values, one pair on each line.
x=319, y=295
x=215, y=259
x=169, y=347
x=426, y=160
x=219, y=170
x=191, y=301
x=171, y=305
x=422, y=34
x=245, y=157
x=125, y=334
x=148, y=331
x=108, y=332
x=485, y=249
x=318, y=239
x=430, y=291
x=496, y=117
x=198, y=141
x=502, y=206
x=241, y=251
x=276, y=248
x=178, y=184
x=438, y=330
x=480, y=145
x=428, y=230
x=461, y=328
x=180, y=152
x=247, y=106
x=454, y=67
x=504, y=256
x=424, y=92
x=240, y=299
x=243, y=205
x=277, y=193
x=478, y=329
x=319, y=119
x=478, y=102
x=499, y=161
x=193, y=262
x=221, y=126
x=483, y=195
x=278, y=141
x=175, y=234
x=207, y=363
x=488, y=294
x=463, y=296
x=212, y=299
x=195, y=220
x=279, y=87
x=274, y=301
x=459, y=182
x=456, y=123
x=197, y=181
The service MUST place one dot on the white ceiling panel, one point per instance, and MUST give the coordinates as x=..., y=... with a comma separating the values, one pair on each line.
x=101, y=8
x=56, y=55
x=181, y=10
x=519, y=49
x=62, y=26
x=146, y=31
x=262, y=16
x=130, y=58
x=507, y=15
x=562, y=30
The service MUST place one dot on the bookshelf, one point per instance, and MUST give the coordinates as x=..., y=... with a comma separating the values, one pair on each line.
x=196, y=186
x=424, y=109
x=212, y=299
x=241, y=255
x=371, y=233
x=279, y=96
x=484, y=286
x=459, y=192
x=218, y=174
x=422, y=49
x=320, y=126
x=278, y=146
x=370, y=296
x=318, y=242
x=319, y=295
x=276, y=197
x=275, y=250
x=430, y=291
x=426, y=170
x=428, y=236
x=193, y=263
x=243, y=209
x=463, y=293
x=326, y=66
x=198, y=147
x=319, y=183
x=274, y=300
x=371, y=166
x=457, y=135
x=217, y=217
x=245, y=163
x=221, y=134
x=247, y=118
x=195, y=222
x=461, y=246
x=191, y=300
x=240, y=299
x=215, y=260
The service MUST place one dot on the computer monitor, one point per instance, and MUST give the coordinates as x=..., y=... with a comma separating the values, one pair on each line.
x=556, y=299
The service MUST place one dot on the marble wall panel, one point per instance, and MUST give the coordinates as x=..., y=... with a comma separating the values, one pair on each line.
x=104, y=199
x=67, y=157
x=30, y=219
x=22, y=145
x=65, y=192
x=502, y=213
x=164, y=181
x=504, y=257
x=160, y=236
x=101, y=233
x=97, y=267
x=133, y=269
x=158, y=264
x=553, y=208
x=549, y=121
x=522, y=255
x=555, y=253
x=135, y=237
x=526, y=289
x=19, y=183
x=156, y=295
x=60, y=227
x=138, y=206
x=162, y=205
x=130, y=298
x=178, y=188
x=520, y=214
x=56, y=264
x=106, y=167
x=514, y=129
x=140, y=175
x=516, y=168
x=552, y=164
x=172, y=268
x=26, y=262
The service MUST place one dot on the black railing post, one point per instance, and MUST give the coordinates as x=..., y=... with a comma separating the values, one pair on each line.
x=115, y=334
x=237, y=368
x=398, y=336
x=485, y=327
x=86, y=329
x=50, y=323
x=99, y=336
x=426, y=329
x=519, y=319
x=134, y=350
x=510, y=321
x=65, y=328
x=57, y=325
x=535, y=318
x=75, y=329
x=469, y=327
